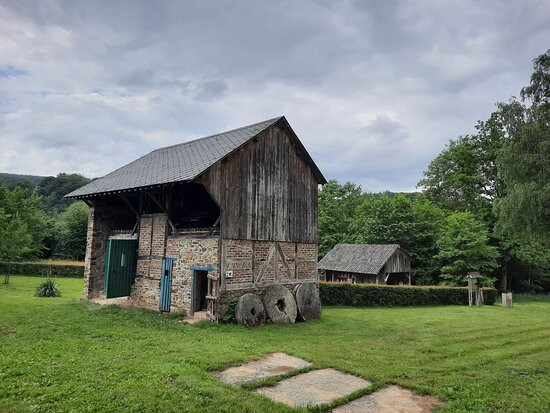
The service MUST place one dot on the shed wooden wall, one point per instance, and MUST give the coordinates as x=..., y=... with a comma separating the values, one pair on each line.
x=398, y=262
x=266, y=191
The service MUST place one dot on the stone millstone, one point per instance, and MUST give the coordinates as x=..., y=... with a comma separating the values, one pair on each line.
x=280, y=304
x=250, y=311
x=308, y=301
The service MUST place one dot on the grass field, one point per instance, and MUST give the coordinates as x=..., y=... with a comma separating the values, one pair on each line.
x=64, y=354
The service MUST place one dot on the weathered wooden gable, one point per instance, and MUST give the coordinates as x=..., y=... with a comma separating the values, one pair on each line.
x=398, y=262
x=266, y=190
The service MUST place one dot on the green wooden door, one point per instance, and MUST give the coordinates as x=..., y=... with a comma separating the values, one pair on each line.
x=120, y=267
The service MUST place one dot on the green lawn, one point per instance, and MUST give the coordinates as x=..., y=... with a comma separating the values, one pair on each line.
x=65, y=354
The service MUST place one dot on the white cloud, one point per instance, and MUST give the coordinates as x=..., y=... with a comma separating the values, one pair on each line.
x=374, y=89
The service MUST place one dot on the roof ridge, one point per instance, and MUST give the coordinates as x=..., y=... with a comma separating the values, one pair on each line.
x=273, y=120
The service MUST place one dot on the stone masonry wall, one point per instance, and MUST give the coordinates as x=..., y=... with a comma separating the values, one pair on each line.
x=100, y=223
x=189, y=253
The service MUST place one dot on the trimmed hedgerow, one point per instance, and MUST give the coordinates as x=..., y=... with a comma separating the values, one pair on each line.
x=39, y=269
x=366, y=295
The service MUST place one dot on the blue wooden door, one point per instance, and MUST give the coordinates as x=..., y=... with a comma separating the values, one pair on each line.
x=166, y=284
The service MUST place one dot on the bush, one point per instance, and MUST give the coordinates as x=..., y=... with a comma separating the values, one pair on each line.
x=229, y=315
x=365, y=295
x=40, y=269
x=47, y=288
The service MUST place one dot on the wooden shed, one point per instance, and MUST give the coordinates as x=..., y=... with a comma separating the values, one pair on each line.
x=189, y=226
x=367, y=264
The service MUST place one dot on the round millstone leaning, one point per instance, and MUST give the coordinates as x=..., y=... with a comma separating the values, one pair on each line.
x=250, y=310
x=280, y=304
x=308, y=301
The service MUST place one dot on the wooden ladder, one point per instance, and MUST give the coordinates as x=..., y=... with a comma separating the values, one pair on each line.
x=212, y=297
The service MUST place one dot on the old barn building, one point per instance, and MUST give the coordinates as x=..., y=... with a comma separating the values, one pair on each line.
x=367, y=264
x=189, y=226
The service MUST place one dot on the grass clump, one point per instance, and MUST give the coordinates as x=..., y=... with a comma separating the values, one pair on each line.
x=47, y=288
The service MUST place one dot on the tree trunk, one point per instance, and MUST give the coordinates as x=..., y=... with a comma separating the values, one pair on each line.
x=504, y=277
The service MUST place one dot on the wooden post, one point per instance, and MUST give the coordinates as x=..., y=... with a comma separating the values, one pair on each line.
x=507, y=300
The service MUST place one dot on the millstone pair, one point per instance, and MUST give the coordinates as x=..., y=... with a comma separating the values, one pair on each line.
x=280, y=304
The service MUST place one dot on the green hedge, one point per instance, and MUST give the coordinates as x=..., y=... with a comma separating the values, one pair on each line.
x=364, y=295
x=40, y=269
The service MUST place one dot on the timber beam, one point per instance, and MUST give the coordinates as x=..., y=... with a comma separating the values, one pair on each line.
x=156, y=201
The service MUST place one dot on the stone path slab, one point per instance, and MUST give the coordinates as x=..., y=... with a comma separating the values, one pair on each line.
x=392, y=399
x=272, y=365
x=314, y=388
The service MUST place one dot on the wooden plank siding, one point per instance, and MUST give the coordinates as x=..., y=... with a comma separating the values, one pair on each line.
x=398, y=262
x=266, y=190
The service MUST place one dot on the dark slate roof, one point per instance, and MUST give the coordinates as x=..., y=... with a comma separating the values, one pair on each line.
x=358, y=258
x=176, y=163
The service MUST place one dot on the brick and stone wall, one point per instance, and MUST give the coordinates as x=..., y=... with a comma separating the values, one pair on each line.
x=151, y=249
x=155, y=245
x=262, y=263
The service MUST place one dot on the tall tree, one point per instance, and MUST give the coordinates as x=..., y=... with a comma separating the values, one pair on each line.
x=413, y=223
x=71, y=232
x=22, y=204
x=524, y=160
x=464, y=246
x=337, y=205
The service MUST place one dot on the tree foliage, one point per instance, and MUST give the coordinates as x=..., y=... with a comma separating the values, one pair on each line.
x=53, y=188
x=337, y=205
x=464, y=246
x=15, y=240
x=71, y=232
x=524, y=160
x=22, y=206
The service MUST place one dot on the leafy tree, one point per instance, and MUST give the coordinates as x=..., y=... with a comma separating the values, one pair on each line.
x=337, y=205
x=454, y=181
x=464, y=246
x=71, y=232
x=410, y=222
x=524, y=160
x=15, y=240
x=21, y=204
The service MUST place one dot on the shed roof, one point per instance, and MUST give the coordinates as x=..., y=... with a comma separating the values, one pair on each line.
x=358, y=258
x=182, y=162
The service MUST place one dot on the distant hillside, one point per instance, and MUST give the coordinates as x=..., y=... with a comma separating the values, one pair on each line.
x=51, y=189
x=12, y=180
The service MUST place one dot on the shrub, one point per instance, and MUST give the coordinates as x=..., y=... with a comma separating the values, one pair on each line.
x=47, y=288
x=229, y=315
x=365, y=295
x=41, y=269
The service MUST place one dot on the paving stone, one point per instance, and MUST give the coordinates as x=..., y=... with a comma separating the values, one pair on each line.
x=314, y=387
x=272, y=365
x=392, y=399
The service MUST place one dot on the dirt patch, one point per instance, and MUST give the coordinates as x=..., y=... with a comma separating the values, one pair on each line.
x=269, y=366
x=314, y=388
x=392, y=399
x=124, y=302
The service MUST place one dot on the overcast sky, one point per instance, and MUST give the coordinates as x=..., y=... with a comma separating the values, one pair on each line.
x=374, y=89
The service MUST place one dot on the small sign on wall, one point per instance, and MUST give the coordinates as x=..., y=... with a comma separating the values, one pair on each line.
x=228, y=273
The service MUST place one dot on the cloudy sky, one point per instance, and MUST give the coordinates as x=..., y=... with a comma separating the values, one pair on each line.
x=374, y=89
